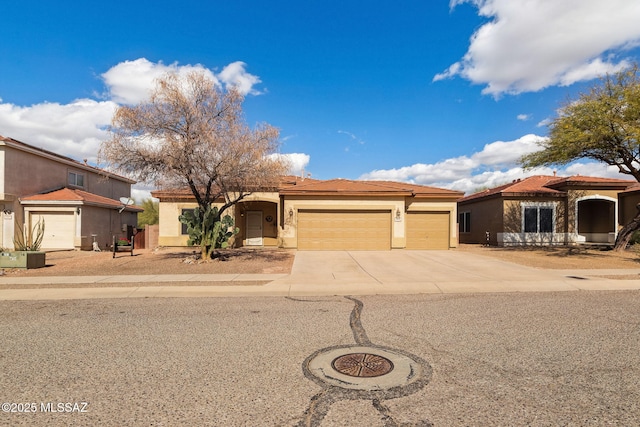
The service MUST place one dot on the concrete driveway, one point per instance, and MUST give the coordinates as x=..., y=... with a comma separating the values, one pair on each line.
x=402, y=272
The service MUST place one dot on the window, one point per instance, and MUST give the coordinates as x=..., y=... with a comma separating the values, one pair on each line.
x=464, y=222
x=76, y=179
x=184, y=226
x=538, y=219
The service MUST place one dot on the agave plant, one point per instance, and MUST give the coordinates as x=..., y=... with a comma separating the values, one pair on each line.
x=27, y=239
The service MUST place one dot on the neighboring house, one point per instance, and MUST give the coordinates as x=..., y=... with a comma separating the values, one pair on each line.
x=629, y=200
x=337, y=214
x=545, y=210
x=79, y=204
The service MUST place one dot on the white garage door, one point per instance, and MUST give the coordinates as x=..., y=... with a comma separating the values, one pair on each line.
x=59, y=229
x=344, y=230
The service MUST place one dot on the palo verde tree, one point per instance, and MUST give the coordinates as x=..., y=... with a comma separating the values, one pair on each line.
x=192, y=133
x=603, y=125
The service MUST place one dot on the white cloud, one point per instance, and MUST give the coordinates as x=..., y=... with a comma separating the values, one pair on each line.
x=524, y=117
x=528, y=45
x=75, y=129
x=297, y=162
x=130, y=82
x=235, y=75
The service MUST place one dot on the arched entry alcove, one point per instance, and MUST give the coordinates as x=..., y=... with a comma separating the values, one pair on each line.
x=596, y=219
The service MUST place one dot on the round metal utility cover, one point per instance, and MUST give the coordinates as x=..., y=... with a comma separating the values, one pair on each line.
x=363, y=368
x=362, y=365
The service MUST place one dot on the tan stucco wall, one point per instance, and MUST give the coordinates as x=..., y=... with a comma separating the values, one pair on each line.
x=281, y=231
x=23, y=174
x=486, y=215
x=499, y=215
x=31, y=174
x=104, y=223
x=169, y=227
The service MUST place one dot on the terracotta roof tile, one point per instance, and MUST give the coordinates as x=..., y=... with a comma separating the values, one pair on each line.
x=543, y=184
x=366, y=188
x=79, y=196
x=531, y=185
x=291, y=185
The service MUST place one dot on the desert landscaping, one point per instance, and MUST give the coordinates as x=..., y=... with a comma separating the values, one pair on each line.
x=267, y=261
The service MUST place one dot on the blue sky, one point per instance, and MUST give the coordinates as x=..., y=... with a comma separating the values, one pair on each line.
x=442, y=93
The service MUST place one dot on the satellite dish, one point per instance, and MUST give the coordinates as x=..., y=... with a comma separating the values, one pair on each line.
x=126, y=201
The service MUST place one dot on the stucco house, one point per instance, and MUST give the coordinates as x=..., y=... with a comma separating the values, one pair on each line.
x=544, y=210
x=337, y=214
x=79, y=203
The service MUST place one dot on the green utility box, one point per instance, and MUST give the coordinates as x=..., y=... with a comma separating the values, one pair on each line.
x=22, y=259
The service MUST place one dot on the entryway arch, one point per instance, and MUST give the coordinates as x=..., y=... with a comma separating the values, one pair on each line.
x=596, y=219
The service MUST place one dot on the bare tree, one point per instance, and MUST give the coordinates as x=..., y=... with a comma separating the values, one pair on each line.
x=192, y=133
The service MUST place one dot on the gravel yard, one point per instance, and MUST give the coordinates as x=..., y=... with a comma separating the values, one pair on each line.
x=561, y=257
x=161, y=261
x=244, y=260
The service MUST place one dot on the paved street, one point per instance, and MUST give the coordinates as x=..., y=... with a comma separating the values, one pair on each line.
x=553, y=358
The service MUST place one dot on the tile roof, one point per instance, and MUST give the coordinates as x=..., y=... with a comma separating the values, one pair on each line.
x=291, y=185
x=185, y=193
x=75, y=196
x=547, y=185
x=591, y=181
x=346, y=187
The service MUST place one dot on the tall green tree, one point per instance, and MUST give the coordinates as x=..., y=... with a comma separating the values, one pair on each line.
x=151, y=215
x=603, y=125
x=192, y=133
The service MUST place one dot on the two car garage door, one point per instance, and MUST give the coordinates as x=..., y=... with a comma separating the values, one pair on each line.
x=369, y=230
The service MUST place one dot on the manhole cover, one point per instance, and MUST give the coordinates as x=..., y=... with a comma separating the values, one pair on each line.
x=366, y=368
x=362, y=365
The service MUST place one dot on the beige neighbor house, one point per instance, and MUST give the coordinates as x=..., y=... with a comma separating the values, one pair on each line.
x=79, y=204
x=629, y=201
x=337, y=214
x=544, y=210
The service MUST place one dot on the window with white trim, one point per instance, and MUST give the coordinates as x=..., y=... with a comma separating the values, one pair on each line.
x=76, y=179
x=538, y=218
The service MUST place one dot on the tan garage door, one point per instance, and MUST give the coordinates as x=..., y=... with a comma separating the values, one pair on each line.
x=344, y=230
x=427, y=230
x=59, y=229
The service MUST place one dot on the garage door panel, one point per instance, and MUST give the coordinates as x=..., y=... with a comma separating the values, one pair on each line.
x=344, y=230
x=59, y=229
x=428, y=230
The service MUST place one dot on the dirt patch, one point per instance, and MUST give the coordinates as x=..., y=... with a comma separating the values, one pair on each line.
x=560, y=257
x=161, y=261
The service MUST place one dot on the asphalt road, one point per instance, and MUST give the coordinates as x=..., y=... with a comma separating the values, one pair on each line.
x=534, y=359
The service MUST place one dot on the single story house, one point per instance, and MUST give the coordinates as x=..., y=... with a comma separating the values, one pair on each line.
x=80, y=204
x=544, y=210
x=337, y=214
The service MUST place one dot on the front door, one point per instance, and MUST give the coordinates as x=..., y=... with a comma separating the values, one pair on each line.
x=254, y=228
